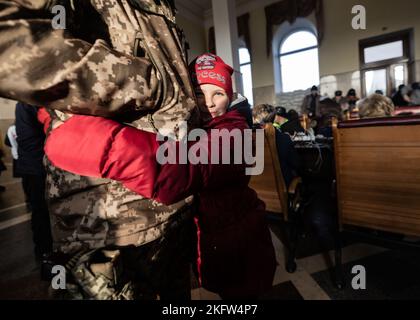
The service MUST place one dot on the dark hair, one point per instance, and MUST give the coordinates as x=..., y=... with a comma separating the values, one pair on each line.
x=415, y=86
x=338, y=93
x=329, y=108
x=263, y=113
x=351, y=93
x=292, y=114
x=314, y=88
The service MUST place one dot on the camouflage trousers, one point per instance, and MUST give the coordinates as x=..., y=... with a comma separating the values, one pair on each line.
x=157, y=270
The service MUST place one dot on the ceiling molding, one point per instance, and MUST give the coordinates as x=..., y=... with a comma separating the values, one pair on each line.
x=190, y=12
x=242, y=7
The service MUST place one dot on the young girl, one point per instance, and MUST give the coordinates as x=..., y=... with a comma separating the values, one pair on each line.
x=236, y=255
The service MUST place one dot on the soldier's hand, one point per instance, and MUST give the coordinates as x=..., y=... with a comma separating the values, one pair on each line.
x=58, y=122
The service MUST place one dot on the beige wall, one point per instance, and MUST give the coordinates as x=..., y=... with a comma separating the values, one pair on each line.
x=7, y=109
x=339, y=52
x=262, y=66
x=195, y=35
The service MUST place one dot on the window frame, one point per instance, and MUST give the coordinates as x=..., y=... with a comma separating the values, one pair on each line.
x=243, y=46
x=280, y=55
x=407, y=59
x=282, y=32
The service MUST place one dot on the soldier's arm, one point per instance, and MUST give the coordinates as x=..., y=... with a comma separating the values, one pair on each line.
x=43, y=66
x=103, y=148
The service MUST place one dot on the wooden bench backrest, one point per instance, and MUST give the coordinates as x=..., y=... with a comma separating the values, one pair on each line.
x=270, y=185
x=378, y=174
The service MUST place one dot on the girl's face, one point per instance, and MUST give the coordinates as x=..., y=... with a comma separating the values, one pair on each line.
x=213, y=101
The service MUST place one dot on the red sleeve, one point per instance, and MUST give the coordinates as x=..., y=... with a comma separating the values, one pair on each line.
x=176, y=182
x=44, y=117
x=98, y=147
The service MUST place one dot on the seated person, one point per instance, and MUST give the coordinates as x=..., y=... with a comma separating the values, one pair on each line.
x=342, y=101
x=287, y=122
x=415, y=94
x=401, y=98
x=290, y=162
x=352, y=98
x=376, y=106
x=328, y=109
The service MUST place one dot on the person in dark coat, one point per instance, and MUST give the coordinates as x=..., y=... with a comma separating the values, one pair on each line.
x=328, y=109
x=29, y=166
x=310, y=103
x=290, y=162
x=287, y=122
x=401, y=98
x=352, y=99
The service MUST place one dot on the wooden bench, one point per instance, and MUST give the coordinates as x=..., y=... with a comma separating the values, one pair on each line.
x=378, y=181
x=413, y=110
x=279, y=200
x=378, y=173
x=270, y=185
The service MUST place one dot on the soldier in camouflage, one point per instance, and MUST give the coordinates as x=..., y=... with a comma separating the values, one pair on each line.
x=122, y=59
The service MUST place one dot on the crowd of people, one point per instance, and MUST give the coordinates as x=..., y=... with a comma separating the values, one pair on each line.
x=406, y=96
x=320, y=109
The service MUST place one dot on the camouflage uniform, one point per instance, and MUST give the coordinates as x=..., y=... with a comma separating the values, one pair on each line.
x=122, y=59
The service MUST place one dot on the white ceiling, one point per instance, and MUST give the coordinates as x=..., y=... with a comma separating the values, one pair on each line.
x=200, y=10
x=195, y=5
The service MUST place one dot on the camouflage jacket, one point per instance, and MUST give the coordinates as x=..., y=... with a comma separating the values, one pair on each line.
x=116, y=58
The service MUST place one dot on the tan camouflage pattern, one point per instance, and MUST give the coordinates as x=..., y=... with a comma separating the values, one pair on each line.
x=156, y=270
x=131, y=69
x=98, y=74
x=94, y=213
x=100, y=280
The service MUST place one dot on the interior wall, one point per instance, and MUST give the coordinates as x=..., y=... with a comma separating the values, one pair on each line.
x=7, y=109
x=339, y=51
x=195, y=35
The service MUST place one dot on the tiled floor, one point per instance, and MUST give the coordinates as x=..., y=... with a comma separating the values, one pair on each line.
x=390, y=274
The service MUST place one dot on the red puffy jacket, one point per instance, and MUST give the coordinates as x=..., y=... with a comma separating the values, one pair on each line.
x=236, y=252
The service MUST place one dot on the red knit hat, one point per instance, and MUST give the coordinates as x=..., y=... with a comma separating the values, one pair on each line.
x=211, y=69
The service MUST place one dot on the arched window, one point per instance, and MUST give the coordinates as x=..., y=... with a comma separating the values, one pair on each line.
x=246, y=71
x=299, y=65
